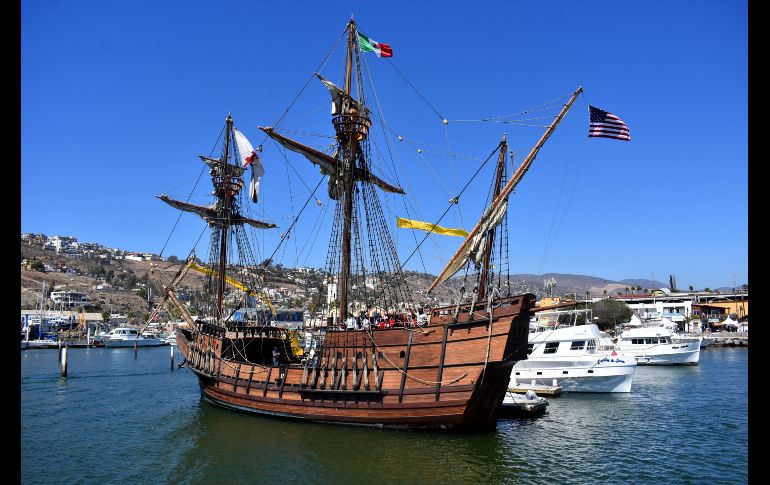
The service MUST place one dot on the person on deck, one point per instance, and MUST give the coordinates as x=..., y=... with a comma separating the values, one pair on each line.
x=422, y=319
x=276, y=356
x=350, y=323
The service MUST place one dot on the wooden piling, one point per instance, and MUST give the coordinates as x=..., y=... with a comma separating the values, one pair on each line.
x=172, y=357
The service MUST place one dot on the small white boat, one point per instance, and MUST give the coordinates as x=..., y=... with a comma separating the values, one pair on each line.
x=127, y=337
x=527, y=405
x=170, y=339
x=570, y=357
x=659, y=346
x=39, y=344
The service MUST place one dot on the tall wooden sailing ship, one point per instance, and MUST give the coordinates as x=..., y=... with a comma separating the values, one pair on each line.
x=451, y=374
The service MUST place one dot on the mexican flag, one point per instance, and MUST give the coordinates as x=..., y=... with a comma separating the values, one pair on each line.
x=371, y=45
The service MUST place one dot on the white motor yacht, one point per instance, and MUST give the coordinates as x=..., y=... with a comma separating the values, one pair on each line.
x=659, y=346
x=570, y=357
x=126, y=337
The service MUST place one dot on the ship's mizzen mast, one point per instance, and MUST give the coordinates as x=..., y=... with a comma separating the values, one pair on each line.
x=499, y=203
x=490, y=233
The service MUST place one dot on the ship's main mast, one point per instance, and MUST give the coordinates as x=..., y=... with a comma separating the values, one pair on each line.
x=351, y=127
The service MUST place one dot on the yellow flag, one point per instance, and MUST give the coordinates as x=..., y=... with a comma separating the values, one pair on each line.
x=426, y=226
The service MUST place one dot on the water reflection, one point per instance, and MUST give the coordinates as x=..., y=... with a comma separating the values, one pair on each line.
x=126, y=419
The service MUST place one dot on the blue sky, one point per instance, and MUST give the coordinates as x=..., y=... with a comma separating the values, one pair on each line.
x=119, y=98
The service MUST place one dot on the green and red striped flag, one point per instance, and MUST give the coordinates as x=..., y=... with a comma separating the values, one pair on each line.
x=371, y=45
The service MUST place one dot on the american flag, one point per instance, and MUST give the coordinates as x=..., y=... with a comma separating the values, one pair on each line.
x=607, y=125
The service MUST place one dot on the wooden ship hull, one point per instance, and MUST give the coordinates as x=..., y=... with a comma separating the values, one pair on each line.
x=450, y=375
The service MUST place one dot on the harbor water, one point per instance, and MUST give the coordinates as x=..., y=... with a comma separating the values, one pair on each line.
x=117, y=418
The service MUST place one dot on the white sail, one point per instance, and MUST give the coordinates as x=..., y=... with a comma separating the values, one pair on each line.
x=249, y=157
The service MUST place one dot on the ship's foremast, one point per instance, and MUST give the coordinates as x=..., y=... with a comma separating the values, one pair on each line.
x=225, y=188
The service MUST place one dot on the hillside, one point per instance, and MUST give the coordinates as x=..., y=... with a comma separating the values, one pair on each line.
x=121, y=285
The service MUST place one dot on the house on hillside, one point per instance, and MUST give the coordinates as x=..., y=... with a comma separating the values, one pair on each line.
x=70, y=299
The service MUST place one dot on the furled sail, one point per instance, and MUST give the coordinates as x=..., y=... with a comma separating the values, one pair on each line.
x=209, y=214
x=328, y=165
x=214, y=163
x=211, y=162
x=341, y=101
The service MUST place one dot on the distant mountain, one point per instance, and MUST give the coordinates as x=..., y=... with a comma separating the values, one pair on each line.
x=649, y=284
x=570, y=283
x=726, y=289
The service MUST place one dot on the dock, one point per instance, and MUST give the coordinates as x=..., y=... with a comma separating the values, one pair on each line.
x=521, y=388
x=728, y=339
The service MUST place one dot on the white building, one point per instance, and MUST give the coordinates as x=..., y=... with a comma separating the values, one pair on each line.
x=675, y=307
x=70, y=299
x=59, y=243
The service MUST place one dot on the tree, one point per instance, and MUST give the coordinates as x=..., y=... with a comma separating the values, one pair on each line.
x=568, y=318
x=105, y=316
x=37, y=266
x=172, y=259
x=707, y=289
x=691, y=288
x=608, y=313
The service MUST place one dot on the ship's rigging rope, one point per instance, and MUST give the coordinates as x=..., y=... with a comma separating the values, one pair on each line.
x=421, y=381
x=548, y=105
x=179, y=217
x=393, y=64
x=453, y=201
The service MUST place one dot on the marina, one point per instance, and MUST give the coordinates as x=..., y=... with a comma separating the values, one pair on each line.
x=286, y=252
x=174, y=436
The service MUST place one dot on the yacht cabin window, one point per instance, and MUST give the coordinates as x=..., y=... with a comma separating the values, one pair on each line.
x=592, y=345
x=550, y=347
x=578, y=345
